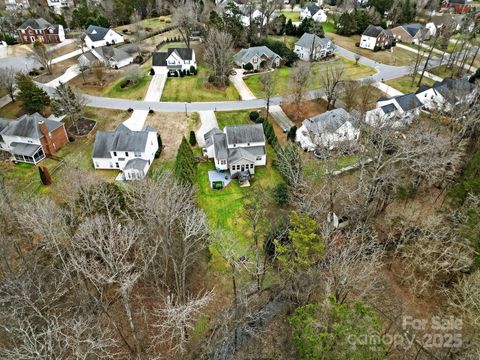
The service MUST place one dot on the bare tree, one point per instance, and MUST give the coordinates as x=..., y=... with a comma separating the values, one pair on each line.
x=98, y=69
x=299, y=82
x=137, y=26
x=331, y=78
x=267, y=10
x=185, y=19
x=219, y=55
x=68, y=102
x=269, y=82
x=7, y=81
x=43, y=55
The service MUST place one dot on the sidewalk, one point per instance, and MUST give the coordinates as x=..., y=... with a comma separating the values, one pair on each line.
x=390, y=91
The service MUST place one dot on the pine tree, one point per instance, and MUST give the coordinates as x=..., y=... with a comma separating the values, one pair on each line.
x=184, y=164
x=270, y=134
x=290, y=28
x=160, y=146
x=32, y=97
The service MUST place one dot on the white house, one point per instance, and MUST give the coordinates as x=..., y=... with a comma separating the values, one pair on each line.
x=397, y=111
x=311, y=47
x=312, y=10
x=3, y=49
x=328, y=130
x=16, y=4
x=258, y=56
x=58, y=5
x=97, y=36
x=376, y=37
x=432, y=29
x=107, y=55
x=238, y=149
x=132, y=152
x=175, y=60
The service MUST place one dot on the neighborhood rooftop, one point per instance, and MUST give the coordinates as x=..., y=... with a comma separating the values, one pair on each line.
x=307, y=40
x=39, y=23
x=243, y=134
x=27, y=126
x=122, y=139
x=329, y=121
x=246, y=55
x=96, y=33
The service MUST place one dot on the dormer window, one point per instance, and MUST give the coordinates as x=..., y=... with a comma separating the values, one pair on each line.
x=114, y=153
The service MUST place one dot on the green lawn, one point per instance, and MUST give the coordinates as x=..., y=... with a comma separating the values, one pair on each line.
x=352, y=72
x=444, y=72
x=288, y=40
x=329, y=26
x=196, y=88
x=153, y=23
x=293, y=15
x=229, y=118
x=134, y=92
x=404, y=83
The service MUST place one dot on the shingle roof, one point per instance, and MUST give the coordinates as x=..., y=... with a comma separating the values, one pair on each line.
x=110, y=52
x=208, y=137
x=408, y=102
x=27, y=126
x=89, y=56
x=389, y=108
x=245, y=55
x=373, y=31
x=159, y=59
x=412, y=29
x=329, y=121
x=38, y=24
x=137, y=164
x=307, y=40
x=96, y=33
x=24, y=149
x=312, y=8
x=220, y=146
x=240, y=154
x=122, y=139
x=243, y=134
x=3, y=124
x=183, y=53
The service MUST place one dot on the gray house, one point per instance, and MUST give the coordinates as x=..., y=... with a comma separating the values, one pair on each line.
x=258, y=56
x=106, y=55
x=238, y=149
x=311, y=47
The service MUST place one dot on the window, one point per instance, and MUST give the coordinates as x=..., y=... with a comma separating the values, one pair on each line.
x=137, y=154
x=114, y=153
x=126, y=153
x=117, y=165
x=259, y=158
x=251, y=166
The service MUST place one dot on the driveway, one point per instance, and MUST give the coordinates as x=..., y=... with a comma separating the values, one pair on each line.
x=242, y=88
x=72, y=72
x=209, y=121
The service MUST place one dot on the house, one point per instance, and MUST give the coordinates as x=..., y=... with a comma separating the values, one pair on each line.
x=58, y=5
x=237, y=149
x=40, y=30
x=258, y=56
x=329, y=130
x=313, y=11
x=446, y=94
x=3, y=49
x=311, y=47
x=249, y=13
x=411, y=33
x=107, y=55
x=432, y=29
x=375, y=38
x=31, y=138
x=397, y=111
x=12, y=5
x=132, y=152
x=457, y=6
x=97, y=36
x=174, y=60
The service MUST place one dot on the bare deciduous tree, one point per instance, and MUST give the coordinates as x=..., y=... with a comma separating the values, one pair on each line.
x=43, y=55
x=331, y=78
x=298, y=84
x=7, y=81
x=219, y=54
x=184, y=15
x=269, y=82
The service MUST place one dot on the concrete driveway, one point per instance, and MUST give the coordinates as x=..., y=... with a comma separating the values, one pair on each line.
x=242, y=88
x=209, y=121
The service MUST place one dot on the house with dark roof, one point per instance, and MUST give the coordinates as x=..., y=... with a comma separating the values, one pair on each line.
x=397, y=111
x=40, y=30
x=411, y=33
x=328, y=130
x=107, y=55
x=313, y=11
x=97, y=36
x=174, y=60
x=237, y=149
x=31, y=138
x=376, y=38
x=258, y=56
x=131, y=152
x=447, y=94
x=310, y=47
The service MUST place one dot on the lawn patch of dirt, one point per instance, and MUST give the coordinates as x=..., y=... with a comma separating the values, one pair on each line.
x=83, y=127
x=308, y=108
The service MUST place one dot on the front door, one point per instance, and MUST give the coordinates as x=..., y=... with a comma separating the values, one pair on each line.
x=243, y=167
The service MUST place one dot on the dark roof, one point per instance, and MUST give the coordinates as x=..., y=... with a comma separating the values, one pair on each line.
x=412, y=29
x=96, y=33
x=27, y=126
x=422, y=88
x=39, y=23
x=159, y=59
x=329, y=121
x=110, y=52
x=312, y=8
x=3, y=124
x=453, y=89
x=408, y=102
x=373, y=31
x=220, y=146
x=389, y=108
x=243, y=134
x=460, y=2
x=184, y=53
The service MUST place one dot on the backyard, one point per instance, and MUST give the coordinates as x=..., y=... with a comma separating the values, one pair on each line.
x=291, y=15
x=404, y=83
x=396, y=57
x=352, y=72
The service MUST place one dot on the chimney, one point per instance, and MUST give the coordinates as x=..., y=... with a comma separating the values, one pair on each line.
x=48, y=146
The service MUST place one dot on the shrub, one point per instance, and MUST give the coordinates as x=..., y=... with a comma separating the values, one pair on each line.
x=125, y=31
x=152, y=71
x=260, y=120
x=280, y=194
x=181, y=73
x=193, y=70
x=193, y=139
x=162, y=18
x=292, y=133
x=357, y=44
x=254, y=115
x=150, y=111
x=376, y=48
x=211, y=78
x=248, y=67
x=130, y=110
x=168, y=21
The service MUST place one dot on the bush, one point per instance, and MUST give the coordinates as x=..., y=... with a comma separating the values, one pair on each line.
x=168, y=21
x=162, y=18
x=125, y=31
x=193, y=138
x=71, y=139
x=211, y=78
x=376, y=48
x=254, y=115
x=130, y=110
x=280, y=194
x=292, y=133
x=152, y=71
x=150, y=111
x=181, y=73
x=357, y=44
x=248, y=66
x=193, y=70
x=260, y=120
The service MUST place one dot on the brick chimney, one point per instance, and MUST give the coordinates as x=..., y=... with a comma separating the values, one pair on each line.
x=47, y=142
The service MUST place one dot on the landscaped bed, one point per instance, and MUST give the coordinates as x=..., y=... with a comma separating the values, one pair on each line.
x=196, y=88
x=82, y=127
x=352, y=72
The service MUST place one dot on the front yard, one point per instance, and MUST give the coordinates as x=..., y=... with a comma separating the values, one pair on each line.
x=196, y=88
x=291, y=15
x=396, y=57
x=404, y=83
x=352, y=72
x=443, y=71
x=230, y=118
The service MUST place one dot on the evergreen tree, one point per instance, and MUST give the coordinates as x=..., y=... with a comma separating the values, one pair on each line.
x=290, y=29
x=347, y=24
x=292, y=133
x=408, y=12
x=193, y=139
x=32, y=97
x=270, y=134
x=184, y=164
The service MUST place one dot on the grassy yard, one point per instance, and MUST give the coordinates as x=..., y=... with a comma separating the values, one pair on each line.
x=404, y=83
x=444, y=72
x=329, y=26
x=134, y=92
x=288, y=40
x=154, y=24
x=352, y=72
x=229, y=118
x=196, y=88
x=291, y=15
x=398, y=57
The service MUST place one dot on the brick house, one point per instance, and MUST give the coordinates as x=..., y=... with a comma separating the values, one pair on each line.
x=31, y=138
x=411, y=33
x=40, y=30
x=458, y=6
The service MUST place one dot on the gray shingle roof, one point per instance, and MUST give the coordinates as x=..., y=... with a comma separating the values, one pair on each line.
x=122, y=139
x=312, y=8
x=37, y=24
x=89, y=56
x=27, y=126
x=243, y=134
x=240, y=154
x=24, y=149
x=208, y=137
x=329, y=121
x=220, y=146
x=408, y=102
x=389, y=108
x=137, y=164
x=307, y=40
x=112, y=53
x=3, y=124
x=96, y=33
x=412, y=29
x=184, y=53
x=245, y=55
x=159, y=59
x=373, y=31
